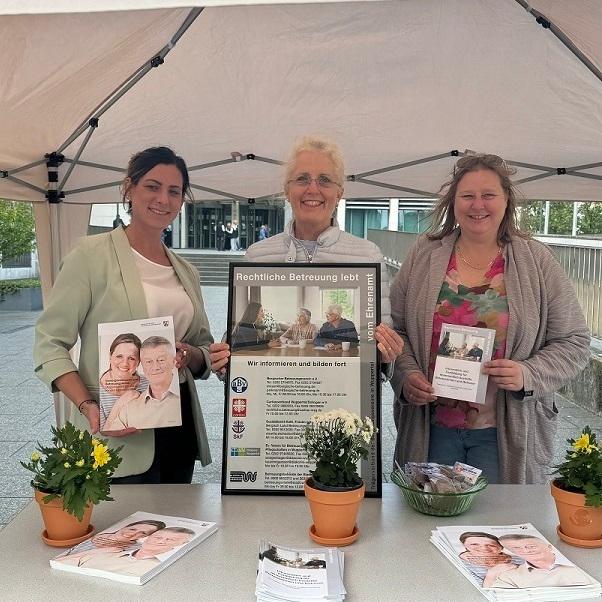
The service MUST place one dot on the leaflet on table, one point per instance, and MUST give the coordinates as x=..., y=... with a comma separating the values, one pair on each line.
x=462, y=351
x=302, y=342
x=138, y=380
x=296, y=574
x=136, y=548
x=513, y=562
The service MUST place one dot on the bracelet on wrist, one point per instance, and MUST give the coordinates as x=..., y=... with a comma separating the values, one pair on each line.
x=81, y=403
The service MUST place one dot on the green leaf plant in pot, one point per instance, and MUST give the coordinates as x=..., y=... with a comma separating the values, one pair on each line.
x=335, y=441
x=577, y=492
x=70, y=476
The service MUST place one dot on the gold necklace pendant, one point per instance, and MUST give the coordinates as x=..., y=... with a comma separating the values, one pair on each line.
x=475, y=267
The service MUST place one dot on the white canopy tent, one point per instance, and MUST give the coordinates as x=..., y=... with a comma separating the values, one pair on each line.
x=403, y=87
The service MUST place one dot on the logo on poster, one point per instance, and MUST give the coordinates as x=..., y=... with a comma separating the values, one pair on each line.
x=239, y=384
x=238, y=476
x=238, y=426
x=239, y=407
x=245, y=451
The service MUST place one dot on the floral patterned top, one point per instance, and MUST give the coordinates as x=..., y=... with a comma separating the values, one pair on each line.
x=483, y=306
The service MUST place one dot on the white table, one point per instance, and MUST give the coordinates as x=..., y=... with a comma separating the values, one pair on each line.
x=392, y=560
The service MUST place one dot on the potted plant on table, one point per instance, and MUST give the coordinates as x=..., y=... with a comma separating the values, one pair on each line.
x=70, y=476
x=336, y=441
x=578, y=492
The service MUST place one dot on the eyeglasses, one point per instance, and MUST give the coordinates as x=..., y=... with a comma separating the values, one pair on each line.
x=322, y=181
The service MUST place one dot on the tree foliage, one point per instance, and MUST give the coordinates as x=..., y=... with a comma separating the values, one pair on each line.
x=589, y=218
x=17, y=235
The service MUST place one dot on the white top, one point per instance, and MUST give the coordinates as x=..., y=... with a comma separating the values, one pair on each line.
x=164, y=293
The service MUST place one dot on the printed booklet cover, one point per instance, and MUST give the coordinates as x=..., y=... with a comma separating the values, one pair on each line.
x=138, y=383
x=136, y=548
x=298, y=574
x=462, y=351
x=513, y=562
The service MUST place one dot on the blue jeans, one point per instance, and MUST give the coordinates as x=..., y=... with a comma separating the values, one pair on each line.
x=477, y=447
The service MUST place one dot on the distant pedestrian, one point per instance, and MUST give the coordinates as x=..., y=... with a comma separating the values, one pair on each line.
x=220, y=236
x=234, y=239
x=228, y=233
x=264, y=232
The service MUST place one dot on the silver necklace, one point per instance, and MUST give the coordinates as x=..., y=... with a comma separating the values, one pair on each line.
x=299, y=245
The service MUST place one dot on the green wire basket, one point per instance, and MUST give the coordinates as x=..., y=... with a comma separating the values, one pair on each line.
x=437, y=504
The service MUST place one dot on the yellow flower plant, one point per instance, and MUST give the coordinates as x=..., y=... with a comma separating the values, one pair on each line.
x=69, y=469
x=581, y=471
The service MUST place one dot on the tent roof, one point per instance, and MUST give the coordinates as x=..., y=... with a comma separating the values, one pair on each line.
x=392, y=82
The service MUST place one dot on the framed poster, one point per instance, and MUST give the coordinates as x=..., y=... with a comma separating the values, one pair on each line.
x=302, y=342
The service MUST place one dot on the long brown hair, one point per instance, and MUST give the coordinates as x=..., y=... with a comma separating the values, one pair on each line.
x=444, y=218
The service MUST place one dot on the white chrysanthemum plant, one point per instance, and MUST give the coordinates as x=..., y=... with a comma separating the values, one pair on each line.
x=336, y=441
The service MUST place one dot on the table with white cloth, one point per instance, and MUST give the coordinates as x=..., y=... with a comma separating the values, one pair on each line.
x=392, y=559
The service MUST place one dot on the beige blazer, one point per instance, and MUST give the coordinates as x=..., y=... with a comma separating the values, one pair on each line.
x=547, y=334
x=99, y=282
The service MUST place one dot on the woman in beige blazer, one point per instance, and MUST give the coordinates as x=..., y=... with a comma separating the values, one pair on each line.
x=476, y=268
x=123, y=275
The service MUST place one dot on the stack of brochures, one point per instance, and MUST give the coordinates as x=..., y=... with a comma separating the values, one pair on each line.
x=293, y=574
x=136, y=548
x=513, y=562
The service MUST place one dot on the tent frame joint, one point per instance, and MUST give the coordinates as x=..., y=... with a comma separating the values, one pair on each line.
x=54, y=196
x=156, y=61
x=54, y=159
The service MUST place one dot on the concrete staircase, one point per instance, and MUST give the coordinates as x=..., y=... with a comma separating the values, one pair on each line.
x=213, y=266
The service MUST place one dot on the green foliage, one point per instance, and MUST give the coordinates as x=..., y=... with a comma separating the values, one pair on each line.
x=561, y=218
x=343, y=297
x=17, y=235
x=532, y=217
x=581, y=471
x=336, y=441
x=77, y=467
x=7, y=287
x=590, y=219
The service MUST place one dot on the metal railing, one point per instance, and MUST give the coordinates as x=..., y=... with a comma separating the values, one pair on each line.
x=581, y=260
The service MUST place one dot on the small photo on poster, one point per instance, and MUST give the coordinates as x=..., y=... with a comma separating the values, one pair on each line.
x=325, y=325
x=138, y=382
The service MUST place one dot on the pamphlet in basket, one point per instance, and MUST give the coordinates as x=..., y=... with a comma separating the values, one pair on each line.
x=513, y=562
x=136, y=548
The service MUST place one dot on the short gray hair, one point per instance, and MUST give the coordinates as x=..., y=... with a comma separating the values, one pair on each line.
x=305, y=312
x=335, y=308
x=155, y=341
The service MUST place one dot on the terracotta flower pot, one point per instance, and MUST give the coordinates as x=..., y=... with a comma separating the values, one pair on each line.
x=580, y=524
x=334, y=512
x=60, y=525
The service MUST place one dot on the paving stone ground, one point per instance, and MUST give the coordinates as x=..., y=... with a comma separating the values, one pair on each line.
x=26, y=410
